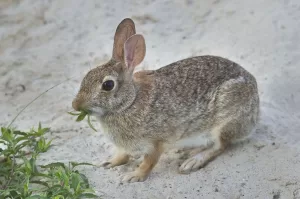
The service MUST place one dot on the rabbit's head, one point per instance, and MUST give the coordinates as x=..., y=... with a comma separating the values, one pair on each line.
x=110, y=87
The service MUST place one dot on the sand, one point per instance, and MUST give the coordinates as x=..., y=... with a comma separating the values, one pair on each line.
x=45, y=42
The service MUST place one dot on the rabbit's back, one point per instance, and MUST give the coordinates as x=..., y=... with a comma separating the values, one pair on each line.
x=198, y=73
x=186, y=95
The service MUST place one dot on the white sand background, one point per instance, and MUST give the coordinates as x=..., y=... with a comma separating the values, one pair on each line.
x=44, y=42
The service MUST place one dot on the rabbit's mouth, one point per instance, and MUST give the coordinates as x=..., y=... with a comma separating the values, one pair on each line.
x=89, y=108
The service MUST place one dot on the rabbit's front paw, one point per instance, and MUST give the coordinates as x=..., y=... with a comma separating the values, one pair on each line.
x=107, y=165
x=117, y=160
x=134, y=177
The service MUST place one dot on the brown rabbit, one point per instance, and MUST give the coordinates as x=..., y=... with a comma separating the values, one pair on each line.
x=202, y=103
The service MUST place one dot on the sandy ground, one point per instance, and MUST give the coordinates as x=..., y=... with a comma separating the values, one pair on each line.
x=44, y=42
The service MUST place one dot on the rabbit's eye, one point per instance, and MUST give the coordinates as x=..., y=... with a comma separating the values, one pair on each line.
x=108, y=85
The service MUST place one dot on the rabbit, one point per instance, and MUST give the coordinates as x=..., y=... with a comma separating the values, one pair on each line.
x=202, y=104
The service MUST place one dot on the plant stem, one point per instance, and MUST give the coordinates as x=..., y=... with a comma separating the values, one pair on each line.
x=35, y=100
x=11, y=173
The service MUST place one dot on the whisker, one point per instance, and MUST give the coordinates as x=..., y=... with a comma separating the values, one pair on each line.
x=90, y=65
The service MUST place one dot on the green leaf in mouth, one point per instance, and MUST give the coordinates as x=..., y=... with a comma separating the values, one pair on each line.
x=81, y=115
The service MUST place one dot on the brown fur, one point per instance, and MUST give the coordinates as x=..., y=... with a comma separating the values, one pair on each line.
x=150, y=160
x=147, y=111
x=118, y=159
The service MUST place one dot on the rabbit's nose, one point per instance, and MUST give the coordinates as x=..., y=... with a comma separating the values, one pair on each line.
x=77, y=104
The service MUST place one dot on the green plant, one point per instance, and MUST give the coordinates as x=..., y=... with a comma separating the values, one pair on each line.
x=22, y=178
x=81, y=115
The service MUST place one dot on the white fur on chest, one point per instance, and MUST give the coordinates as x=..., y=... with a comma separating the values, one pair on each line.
x=131, y=146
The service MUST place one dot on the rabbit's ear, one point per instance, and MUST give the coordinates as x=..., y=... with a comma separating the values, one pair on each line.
x=134, y=51
x=124, y=30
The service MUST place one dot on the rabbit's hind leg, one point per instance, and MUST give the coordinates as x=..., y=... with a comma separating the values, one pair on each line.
x=199, y=160
x=194, y=144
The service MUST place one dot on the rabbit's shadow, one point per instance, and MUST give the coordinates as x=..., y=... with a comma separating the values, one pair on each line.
x=171, y=161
